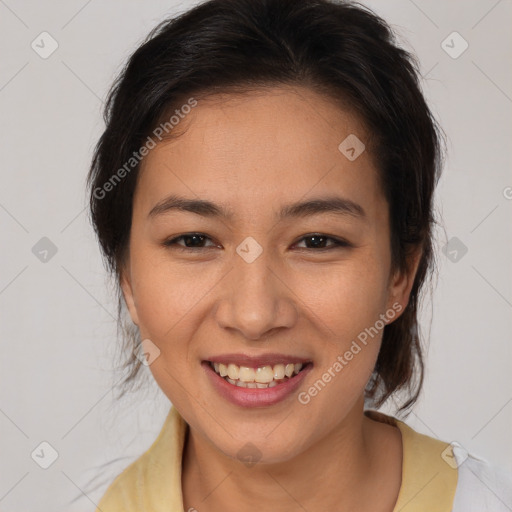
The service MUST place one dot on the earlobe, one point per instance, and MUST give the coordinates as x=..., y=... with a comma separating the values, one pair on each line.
x=127, y=290
x=402, y=282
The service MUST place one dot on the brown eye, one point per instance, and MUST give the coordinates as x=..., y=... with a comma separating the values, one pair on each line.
x=318, y=242
x=193, y=241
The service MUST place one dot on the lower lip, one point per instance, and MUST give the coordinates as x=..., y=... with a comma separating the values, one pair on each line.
x=255, y=397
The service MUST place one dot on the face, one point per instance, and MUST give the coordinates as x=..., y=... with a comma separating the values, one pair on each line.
x=298, y=287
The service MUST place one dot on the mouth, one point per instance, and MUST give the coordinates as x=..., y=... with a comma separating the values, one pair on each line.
x=258, y=377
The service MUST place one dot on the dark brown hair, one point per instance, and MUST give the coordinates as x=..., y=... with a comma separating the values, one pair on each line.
x=340, y=49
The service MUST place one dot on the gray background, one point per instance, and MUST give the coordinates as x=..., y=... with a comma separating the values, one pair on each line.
x=58, y=316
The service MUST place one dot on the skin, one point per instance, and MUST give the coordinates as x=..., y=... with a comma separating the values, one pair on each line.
x=254, y=153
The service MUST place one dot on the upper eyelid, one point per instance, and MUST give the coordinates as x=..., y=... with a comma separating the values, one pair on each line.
x=336, y=240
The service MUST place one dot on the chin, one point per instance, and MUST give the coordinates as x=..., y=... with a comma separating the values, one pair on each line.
x=261, y=451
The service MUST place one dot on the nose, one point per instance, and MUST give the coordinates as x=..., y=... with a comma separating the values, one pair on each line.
x=256, y=300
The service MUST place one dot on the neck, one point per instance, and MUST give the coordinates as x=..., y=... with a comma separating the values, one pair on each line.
x=337, y=472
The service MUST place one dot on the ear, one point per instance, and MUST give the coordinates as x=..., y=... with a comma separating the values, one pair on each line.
x=126, y=287
x=400, y=284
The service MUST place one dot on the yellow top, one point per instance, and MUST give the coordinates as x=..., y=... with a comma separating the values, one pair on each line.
x=152, y=483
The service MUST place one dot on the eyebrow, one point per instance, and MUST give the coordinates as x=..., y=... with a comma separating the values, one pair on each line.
x=333, y=205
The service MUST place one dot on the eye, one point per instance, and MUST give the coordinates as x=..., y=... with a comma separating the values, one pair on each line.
x=194, y=242
x=318, y=242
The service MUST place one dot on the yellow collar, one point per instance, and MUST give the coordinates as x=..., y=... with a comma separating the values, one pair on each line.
x=153, y=481
x=428, y=481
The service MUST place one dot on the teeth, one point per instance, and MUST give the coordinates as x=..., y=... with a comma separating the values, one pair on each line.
x=290, y=368
x=279, y=371
x=264, y=375
x=247, y=374
x=233, y=371
x=261, y=377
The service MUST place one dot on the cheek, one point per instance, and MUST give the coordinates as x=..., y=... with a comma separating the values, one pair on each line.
x=166, y=295
x=168, y=303
x=346, y=299
x=345, y=304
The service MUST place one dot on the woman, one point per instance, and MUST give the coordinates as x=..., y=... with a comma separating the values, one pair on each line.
x=263, y=193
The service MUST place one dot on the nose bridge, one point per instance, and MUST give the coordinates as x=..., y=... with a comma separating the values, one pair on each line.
x=257, y=301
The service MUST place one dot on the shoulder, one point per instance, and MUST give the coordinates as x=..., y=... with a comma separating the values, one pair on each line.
x=478, y=484
x=481, y=485
x=438, y=475
x=125, y=492
x=153, y=481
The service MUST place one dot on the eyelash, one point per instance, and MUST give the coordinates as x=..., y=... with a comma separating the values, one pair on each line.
x=338, y=243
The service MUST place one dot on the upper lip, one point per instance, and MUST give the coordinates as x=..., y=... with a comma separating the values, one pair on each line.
x=257, y=361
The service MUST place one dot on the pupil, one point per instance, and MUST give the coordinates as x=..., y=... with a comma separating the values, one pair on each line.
x=192, y=236
x=317, y=238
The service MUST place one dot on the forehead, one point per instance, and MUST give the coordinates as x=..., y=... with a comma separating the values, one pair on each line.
x=271, y=146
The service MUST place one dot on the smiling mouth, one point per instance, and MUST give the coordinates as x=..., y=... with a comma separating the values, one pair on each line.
x=258, y=378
